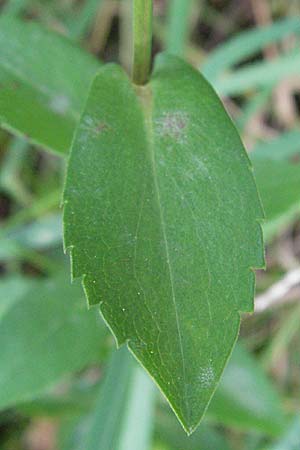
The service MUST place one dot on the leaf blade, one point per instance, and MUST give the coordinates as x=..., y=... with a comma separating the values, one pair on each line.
x=45, y=333
x=277, y=171
x=290, y=440
x=246, y=44
x=41, y=97
x=130, y=237
x=246, y=398
x=130, y=396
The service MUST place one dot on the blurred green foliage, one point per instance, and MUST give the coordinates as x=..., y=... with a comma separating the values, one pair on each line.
x=57, y=360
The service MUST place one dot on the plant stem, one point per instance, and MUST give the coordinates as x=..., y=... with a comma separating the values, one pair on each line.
x=142, y=40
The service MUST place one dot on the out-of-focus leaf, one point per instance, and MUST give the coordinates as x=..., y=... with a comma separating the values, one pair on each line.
x=246, y=44
x=13, y=7
x=43, y=233
x=125, y=400
x=79, y=25
x=10, y=249
x=246, y=398
x=44, y=80
x=258, y=75
x=168, y=432
x=162, y=220
x=78, y=401
x=44, y=334
x=140, y=411
x=37, y=208
x=253, y=105
x=178, y=25
x=282, y=338
x=21, y=241
x=11, y=164
x=122, y=415
x=277, y=170
x=55, y=407
x=11, y=291
x=290, y=439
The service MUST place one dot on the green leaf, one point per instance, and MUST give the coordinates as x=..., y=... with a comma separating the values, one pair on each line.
x=254, y=104
x=178, y=25
x=246, y=398
x=259, y=75
x=168, y=431
x=43, y=233
x=79, y=25
x=291, y=438
x=277, y=170
x=13, y=7
x=44, y=80
x=55, y=406
x=282, y=338
x=125, y=400
x=11, y=291
x=22, y=242
x=44, y=334
x=140, y=410
x=247, y=44
x=161, y=217
x=11, y=165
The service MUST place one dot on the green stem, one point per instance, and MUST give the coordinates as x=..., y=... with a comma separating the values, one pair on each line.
x=142, y=40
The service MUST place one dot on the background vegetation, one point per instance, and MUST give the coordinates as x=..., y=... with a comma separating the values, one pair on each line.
x=61, y=385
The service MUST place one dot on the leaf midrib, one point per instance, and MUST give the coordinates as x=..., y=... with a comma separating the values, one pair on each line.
x=145, y=97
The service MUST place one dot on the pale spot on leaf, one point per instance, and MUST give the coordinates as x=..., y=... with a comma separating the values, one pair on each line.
x=206, y=377
x=172, y=124
x=60, y=104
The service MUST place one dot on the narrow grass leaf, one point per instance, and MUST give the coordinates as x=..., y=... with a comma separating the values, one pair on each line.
x=178, y=26
x=247, y=44
x=258, y=75
x=125, y=399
